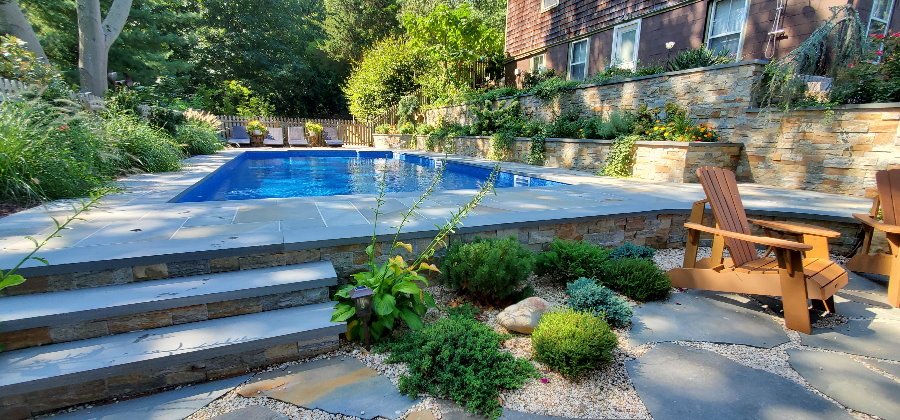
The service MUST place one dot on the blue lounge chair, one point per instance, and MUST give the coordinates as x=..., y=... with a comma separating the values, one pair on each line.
x=275, y=137
x=297, y=136
x=331, y=137
x=239, y=135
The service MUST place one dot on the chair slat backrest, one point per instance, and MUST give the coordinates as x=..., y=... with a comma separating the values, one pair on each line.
x=275, y=133
x=239, y=132
x=889, y=192
x=330, y=133
x=297, y=134
x=721, y=189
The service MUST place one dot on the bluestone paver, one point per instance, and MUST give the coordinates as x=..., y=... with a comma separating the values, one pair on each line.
x=698, y=316
x=874, y=338
x=170, y=405
x=848, y=382
x=677, y=382
x=339, y=386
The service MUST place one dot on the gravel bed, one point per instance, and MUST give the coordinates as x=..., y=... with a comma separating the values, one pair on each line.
x=605, y=393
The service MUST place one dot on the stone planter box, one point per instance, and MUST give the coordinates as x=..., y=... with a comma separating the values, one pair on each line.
x=670, y=161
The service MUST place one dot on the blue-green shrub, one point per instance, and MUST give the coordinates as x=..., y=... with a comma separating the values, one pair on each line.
x=630, y=250
x=586, y=295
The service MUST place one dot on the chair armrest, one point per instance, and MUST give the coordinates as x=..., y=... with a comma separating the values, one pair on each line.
x=761, y=240
x=796, y=228
x=884, y=227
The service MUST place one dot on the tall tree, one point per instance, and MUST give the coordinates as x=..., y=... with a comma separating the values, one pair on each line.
x=352, y=26
x=96, y=35
x=14, y=22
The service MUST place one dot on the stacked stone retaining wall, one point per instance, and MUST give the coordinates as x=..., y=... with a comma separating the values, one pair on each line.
x=835, y=151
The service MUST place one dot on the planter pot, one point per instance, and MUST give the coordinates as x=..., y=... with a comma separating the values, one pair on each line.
x=257, y=132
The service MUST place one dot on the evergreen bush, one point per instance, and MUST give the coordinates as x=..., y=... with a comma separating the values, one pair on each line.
x=586, y=295
x=569, y=260
x=458, y=358
x=492, y=270
x=638, y=279
x=573, y=342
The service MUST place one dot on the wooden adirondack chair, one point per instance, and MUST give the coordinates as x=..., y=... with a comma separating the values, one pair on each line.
x=801, y=270
x=887, y=264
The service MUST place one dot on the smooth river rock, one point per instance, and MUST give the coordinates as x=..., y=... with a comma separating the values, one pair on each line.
x=524, y=316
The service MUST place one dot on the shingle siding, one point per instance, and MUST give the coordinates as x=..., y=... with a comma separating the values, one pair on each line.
x=530, y=31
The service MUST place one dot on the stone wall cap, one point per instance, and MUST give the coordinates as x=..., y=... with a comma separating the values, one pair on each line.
x=876, y=105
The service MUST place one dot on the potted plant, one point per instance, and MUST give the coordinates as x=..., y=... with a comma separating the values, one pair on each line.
x=257, y=128
x=315, y=134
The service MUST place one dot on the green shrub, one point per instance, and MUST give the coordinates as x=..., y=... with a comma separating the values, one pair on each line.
x=630, y=250
x=567, y=125
x=50, y=152
x=122, y=99
x=569, y=260
x=573, y=342
x=383, y=129
x=458, y=358
x=424, y=129
x=386, y=73
x=532, y=79
x=698, y=57
x=638, y=279
x=507, y=116
x=494, y=94
x=617, y=124
x=406, y=109
x=407, y=128
x=198, y=139
x=165, y=119
x=148, y=148
x=586, y=295
x=553, y=87
x=492, y=270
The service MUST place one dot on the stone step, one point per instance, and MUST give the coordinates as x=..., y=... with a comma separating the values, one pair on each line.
x=42, y=379
x=58, y=317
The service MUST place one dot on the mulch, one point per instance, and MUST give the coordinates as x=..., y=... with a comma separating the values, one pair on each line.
x=9, y=208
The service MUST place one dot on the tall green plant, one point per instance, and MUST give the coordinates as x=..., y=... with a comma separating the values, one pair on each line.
x=698, y=57
x=10, y=278
x=620, y=160
x=396, y=283
x=837, y=44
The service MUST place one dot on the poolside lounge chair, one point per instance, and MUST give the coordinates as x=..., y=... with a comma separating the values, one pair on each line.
x=239, y=135
x=331, y=137
x=888, y=200
x=799, y=271
x=275, y=137
x=297, y=136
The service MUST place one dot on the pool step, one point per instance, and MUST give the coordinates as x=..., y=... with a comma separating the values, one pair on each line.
x=43, y=379
x=48, y=318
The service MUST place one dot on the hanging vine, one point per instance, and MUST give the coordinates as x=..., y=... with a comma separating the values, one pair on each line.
x=838, y=43
x=501, y=145
x=536, y=152
x=620, y=160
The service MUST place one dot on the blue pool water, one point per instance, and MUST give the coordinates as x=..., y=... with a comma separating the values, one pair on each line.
x=311, y=173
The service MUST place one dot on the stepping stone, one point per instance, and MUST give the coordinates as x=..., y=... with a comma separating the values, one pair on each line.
x=337, y=386
x=864, y=306
x=848, y=382
x=695, y=316
x=892, y=368
x=253, y=412
x=867, y=283
x=170, y=405
x=874, y=338
x=677, y=382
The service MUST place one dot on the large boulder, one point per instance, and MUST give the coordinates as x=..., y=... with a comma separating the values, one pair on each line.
x=524, y=316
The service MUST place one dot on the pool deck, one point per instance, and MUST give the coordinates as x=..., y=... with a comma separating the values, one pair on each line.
x=138, y=224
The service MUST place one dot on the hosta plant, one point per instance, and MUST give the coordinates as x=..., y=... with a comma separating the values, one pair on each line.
x=397, y=282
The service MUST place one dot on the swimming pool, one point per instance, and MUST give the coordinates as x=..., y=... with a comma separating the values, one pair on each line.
x=314, y=173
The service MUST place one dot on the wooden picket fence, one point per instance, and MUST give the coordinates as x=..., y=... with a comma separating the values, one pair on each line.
x=353, y=133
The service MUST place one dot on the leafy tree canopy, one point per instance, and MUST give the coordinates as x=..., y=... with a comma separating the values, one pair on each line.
x=352, y=26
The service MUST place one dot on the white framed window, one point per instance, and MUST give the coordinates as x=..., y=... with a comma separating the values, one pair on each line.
x=880, y=17
x=578, y=53
x=726, y=26
x=548, y=4
x=537, y=63
x=626, y=39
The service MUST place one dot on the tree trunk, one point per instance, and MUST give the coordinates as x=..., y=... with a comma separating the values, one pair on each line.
x=13, y=22
x=95, y=37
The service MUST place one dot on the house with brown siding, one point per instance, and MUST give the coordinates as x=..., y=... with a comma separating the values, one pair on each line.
x=578, y=38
